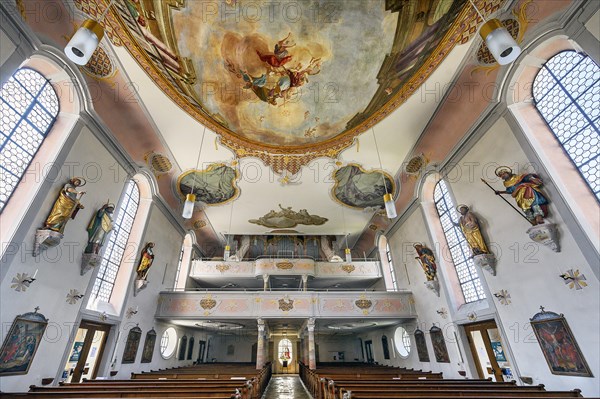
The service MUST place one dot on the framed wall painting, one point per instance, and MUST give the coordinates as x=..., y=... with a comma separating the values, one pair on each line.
x=149, y=344
x=132, y=344
x=421, y=346
x=182, y=348
x=190, y=348
x=439, y=345
x=558, y=345
x=21, y=343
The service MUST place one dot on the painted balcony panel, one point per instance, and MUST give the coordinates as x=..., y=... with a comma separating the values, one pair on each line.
x=225, y=305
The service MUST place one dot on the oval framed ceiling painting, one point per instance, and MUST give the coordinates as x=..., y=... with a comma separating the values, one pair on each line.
x=289, y=76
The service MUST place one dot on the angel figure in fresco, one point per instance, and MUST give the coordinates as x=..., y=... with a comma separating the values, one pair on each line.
x=66, y=205
x=525, y=189
x=427, y=260
x=280, y=54
x=145, y=261
x=469, y=224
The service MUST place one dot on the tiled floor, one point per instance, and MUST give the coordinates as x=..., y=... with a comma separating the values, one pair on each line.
x=286, y=387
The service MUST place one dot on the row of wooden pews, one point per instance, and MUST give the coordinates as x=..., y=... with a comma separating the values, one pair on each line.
x=365, y=381
x=206, y=381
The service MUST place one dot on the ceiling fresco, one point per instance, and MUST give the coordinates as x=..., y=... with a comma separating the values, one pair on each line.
x=291, y=76
x=213, y=186
x=358, y=188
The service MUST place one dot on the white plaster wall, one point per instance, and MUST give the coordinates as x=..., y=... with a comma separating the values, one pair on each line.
x=59, y=271
x=528, y=271
x=329, y=346
x=59, y=267
x=242, y=348
x=7, y=47
x=410, y=276
x=161, y=277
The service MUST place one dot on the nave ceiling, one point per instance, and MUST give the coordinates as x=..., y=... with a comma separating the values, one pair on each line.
x=309, y=166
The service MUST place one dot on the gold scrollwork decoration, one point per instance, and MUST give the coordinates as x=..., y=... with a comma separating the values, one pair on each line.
x=363, y=303
x=285, y=265
x=348, y=268
x=208, y=303
x=222, y=267
x=286, y=306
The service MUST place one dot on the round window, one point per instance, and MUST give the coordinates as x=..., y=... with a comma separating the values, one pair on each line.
x=168, y=342
x=402, y=340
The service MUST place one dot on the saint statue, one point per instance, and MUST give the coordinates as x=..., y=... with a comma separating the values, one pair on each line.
x=99, y=227
x=145, y=261
x=66, y=206
x=525, y=189
x=427, y=260
x=469, y=224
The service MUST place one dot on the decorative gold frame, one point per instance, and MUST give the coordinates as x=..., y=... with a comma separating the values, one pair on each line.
x=236, y=193
x=360, y=167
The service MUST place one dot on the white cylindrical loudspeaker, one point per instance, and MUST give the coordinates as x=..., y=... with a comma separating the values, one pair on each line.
x=84, y=42
x=500, y=43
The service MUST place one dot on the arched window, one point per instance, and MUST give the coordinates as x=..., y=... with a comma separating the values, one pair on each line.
x=179, y=266
x=388, y=254
x=458, y=246
x=387, y=266
x=285, y=351
x=119, y=236
x=28, y=109
x=566, y=92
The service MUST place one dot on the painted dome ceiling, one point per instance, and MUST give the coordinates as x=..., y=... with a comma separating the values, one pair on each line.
x=289, y=76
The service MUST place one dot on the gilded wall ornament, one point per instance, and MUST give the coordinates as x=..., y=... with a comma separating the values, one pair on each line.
x=222, y=267
x=348, y=268
x=207, y=303
x=286, y=304
x=286, y=265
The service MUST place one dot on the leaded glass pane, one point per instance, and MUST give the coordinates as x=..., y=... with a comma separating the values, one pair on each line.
x=459, y=248
x=572, y=107
x=21, y=109
x=113, y=254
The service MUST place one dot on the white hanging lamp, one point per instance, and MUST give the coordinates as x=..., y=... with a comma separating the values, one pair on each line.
x=85, y=41
x=347, y=249
x=388, y=200
x=498, y=40
x=227, y=251
x=190, y=198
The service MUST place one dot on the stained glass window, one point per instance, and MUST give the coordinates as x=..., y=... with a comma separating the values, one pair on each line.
x=566, y=91
x=457, y=244
x=28, y=109
x=285, y=351
x=117, y=243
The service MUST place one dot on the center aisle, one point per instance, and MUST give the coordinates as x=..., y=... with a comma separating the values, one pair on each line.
x=286, y=387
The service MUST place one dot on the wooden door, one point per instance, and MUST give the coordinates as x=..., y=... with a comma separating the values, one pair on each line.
x=87, y=351
x=484, y=352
